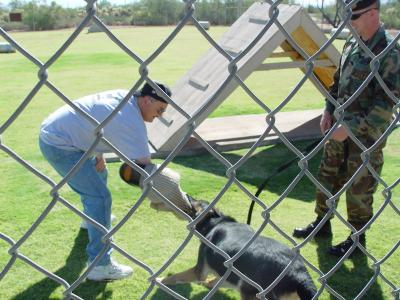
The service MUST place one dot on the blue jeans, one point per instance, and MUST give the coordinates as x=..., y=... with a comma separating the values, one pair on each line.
x=91, y=187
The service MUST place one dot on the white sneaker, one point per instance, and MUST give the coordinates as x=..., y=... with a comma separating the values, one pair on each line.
x=112, y=271
x=84, y=224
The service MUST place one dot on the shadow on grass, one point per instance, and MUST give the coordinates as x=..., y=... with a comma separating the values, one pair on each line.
x=261, y=165
x=74, y=264
x=185, y=290
x=348, y=281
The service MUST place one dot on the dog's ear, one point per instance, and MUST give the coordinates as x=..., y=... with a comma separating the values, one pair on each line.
x=213, y=213
x=216, y=212
x=198, y=206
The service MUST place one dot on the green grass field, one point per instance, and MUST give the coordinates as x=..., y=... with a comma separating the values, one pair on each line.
x=93, y=63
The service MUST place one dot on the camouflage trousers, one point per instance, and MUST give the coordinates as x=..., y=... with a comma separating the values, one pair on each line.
x=337, y=166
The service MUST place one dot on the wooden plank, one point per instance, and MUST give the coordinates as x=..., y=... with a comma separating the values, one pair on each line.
x=325, y=75
x=198, y=83
x=292, y=65
x=259, y=19
x=312, y=30
x=283, y=54
x=238, y=132
x=252, y=126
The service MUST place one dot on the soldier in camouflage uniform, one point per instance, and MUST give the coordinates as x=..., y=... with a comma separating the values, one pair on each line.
x=368, y=116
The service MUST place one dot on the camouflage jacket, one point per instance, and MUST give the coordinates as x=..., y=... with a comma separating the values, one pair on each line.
x=369, y=115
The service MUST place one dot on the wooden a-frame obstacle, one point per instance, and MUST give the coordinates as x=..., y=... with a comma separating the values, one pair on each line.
x=195, y=88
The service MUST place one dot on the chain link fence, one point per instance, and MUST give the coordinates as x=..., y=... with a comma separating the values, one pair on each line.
x=230, y=169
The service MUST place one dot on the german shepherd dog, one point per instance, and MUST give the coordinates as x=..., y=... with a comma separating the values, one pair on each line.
x=262, y=262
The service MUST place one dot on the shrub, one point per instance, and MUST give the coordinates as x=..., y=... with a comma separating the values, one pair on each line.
x=153, y=12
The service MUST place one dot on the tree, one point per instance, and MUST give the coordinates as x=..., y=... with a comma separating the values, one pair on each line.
x=2, y=7
x=332, y=16
x=333, y=13
x=103, y=3
x=16, y=4
x=42, y=17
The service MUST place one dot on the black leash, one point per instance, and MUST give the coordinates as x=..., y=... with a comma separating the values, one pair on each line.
x=277, y=171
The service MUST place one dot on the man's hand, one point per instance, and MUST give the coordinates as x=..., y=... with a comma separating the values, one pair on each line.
x=100, y=163
x=340, y=134
x=326, y=122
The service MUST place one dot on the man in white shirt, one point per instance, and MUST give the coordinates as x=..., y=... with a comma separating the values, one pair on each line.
x=66, y=135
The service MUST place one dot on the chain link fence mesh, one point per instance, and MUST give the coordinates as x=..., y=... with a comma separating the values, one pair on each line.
x=230, y=169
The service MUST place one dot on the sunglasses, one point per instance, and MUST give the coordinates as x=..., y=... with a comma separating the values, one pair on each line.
x=356, y=16
x=161, y=110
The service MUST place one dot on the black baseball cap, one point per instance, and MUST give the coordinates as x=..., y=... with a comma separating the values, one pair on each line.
x=147, y=90
x=363, y=4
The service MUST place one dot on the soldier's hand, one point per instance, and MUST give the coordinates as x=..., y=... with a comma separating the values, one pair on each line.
x=326, y=122
x=340, y=134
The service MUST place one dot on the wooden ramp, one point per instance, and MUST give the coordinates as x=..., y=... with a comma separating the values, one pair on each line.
x=198, y=87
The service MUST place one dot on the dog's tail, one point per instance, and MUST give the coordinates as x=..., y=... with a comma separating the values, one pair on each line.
x=306, y=289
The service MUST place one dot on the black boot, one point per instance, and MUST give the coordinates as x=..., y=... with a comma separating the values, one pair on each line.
x=324, y=231
x=340, y=249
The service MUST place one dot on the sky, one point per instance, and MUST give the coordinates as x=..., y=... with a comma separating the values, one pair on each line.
x=77, y=3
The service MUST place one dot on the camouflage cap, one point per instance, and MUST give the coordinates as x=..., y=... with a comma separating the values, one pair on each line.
x=362, y=4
